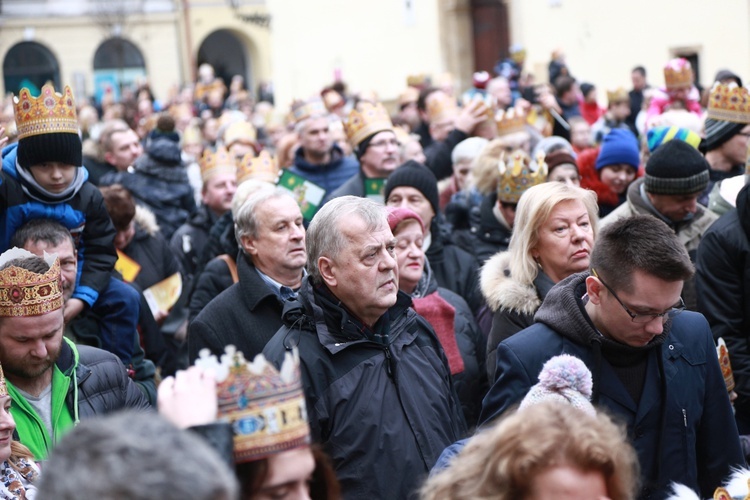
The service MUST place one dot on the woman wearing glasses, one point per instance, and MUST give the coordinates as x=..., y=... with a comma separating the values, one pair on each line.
x=554, y=233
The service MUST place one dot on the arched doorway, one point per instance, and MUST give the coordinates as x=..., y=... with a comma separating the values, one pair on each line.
x=226, y=52
x=118, y=63
x=31, y=65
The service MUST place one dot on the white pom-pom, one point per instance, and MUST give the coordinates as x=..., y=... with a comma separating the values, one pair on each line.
x=566, y=372
x=682, y=492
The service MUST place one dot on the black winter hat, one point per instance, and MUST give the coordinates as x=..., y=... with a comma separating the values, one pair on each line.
x=62, y=147
x=414, y=174
x=676, y=167
x=718, y=132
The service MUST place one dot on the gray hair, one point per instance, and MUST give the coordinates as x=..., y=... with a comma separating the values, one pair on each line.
x=301, y=125
x=135, y=455
x=324, y=236
x=246, y=219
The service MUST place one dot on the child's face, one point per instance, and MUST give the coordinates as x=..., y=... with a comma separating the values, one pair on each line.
x=617, y=177
x=53, y=176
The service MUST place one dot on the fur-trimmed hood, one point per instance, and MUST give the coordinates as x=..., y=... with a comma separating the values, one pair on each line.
x=501, y=291
x=146, y=220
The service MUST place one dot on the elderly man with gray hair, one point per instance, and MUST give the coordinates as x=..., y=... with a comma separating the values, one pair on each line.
x=379, y=393
x=270, y=268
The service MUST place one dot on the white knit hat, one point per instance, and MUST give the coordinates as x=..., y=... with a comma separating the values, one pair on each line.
x=563, y=378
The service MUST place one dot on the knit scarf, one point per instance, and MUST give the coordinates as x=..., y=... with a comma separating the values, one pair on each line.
x=442, y=316
x=16, y=485
x=31, y=187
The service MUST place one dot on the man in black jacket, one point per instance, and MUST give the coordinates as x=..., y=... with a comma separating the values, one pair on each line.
x=379, y=394
x=270, y=267
x=53, y=383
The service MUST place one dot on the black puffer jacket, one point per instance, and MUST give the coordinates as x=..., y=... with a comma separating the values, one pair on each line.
x=246, y=315
x=215, y=276
x=190, y=239
x=159, y=182
x=485, y=236
x=383, y=412
x=722, y=282
x=439, y=154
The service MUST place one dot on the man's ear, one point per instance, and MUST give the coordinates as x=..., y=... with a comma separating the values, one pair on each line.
x=327, y=271
x=248, y=244
x=593, y=290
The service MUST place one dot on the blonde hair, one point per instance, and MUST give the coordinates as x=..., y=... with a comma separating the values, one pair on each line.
x=17, y=451
x=501, y=462
x=533, y=210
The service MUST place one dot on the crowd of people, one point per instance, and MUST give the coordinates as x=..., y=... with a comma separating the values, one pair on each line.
x=209, y=297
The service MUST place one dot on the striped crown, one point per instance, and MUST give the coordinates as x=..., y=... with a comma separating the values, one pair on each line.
x=47, y=114
x=365, y=120
x=729, y=102
x=265, y=407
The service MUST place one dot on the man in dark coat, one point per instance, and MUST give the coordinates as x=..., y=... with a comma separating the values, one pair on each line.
x=377, y=385
x=270, y=268
x=414, y=186
x=653, y=366
x=723, y=289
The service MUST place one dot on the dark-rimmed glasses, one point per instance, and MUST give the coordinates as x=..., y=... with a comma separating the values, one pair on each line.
x=638, y=317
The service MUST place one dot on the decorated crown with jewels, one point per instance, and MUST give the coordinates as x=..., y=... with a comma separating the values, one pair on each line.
x=510, y=121
x=47, y=114
x=213, y=163
x=678, y=74
x=729, y=102
x=365, y=120
x=517, y=177
x=265, y=406
x=26, y=293
x=261, y=167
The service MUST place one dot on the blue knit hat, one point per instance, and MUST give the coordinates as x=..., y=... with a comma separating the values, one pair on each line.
x=619, y=146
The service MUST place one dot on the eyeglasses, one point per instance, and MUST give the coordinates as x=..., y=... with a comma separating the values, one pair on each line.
x=643, y=318
x=384, y=143
x=744, y=134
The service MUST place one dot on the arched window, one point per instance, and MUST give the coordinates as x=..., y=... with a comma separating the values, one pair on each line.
x=226, y=52
x=118, y=63
x=31, y=65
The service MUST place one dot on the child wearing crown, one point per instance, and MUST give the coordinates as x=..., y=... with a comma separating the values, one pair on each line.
x=42, y=178
x=678, y=92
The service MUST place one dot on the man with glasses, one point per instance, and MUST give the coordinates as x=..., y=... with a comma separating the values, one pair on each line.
x=654, y=365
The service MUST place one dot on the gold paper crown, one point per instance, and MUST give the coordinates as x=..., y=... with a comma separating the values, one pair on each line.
x=729, y=102
x=618, y=95
x=261, y=167
x=213, y=163
x=3, y=385
x=302, y=110
x=519, y=177
x=365, y=120
x=239, y=131
x=265, y=407
x=726, y=366
x=440, y=106
x=418, y=80
x=678, y=74
x=510, y=121
x=49, y=113
x=408, y=96
x=192, y=135
x=26, y=293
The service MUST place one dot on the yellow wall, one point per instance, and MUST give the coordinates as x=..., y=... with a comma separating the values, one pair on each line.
x=603, y=39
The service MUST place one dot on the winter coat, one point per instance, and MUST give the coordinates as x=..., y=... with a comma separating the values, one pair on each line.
x=438, y=154
x=159, y=182
x=513, y=303
x=723, y=289
x=454, y=268
x=246, y=315
x=93, y=383
x=355, y=186
x=329, y=176
x=84, y=215
x=471, y=383
x=382, y=412
x=689, y=232
x=682, y=428
x=190, y=239
x=486, y=236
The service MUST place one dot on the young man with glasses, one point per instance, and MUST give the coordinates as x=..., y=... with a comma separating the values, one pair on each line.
x=653, y=365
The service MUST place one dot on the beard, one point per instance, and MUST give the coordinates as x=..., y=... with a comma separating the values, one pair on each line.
x=29, y=367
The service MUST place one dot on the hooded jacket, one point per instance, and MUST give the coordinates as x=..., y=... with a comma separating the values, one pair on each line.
x=84, y=215
x=682, y=426
x=513, y=303
x=329, y=176
x=86, y=382
x=382, y=411
x=689, y=232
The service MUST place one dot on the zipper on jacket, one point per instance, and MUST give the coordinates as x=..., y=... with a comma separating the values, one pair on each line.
x=389, y=368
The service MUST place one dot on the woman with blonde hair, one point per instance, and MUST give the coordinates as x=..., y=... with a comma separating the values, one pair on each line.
x=555, y=226
x=547, y=450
